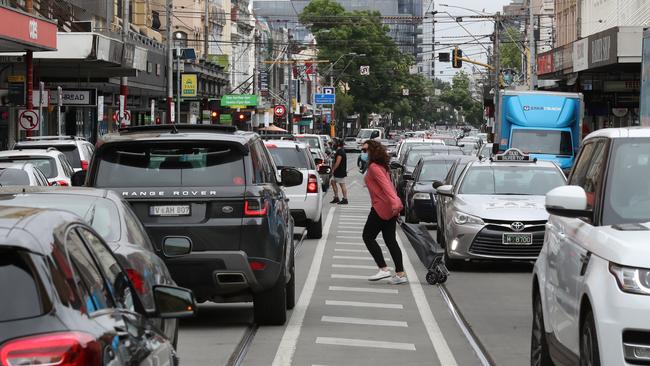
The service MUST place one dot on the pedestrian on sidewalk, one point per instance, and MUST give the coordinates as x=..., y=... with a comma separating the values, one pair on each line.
x=386, y=207
x=340, y=172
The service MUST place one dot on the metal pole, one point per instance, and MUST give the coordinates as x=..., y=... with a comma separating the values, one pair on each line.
x=532, y=46
x=497, y=68
x=41, y=89
x=313, y=94
x=59, y=92
x=124, y=81
x=289, y=82
x=170, y=63
x=206, y=39
x=178, y=84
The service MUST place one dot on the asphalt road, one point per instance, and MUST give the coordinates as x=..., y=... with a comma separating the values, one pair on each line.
x=343, y=319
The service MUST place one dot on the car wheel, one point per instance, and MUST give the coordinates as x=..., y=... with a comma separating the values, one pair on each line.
x=291, y=287
x=539, y=353
x=589, y=353
x=315, y=229
x=270, y=306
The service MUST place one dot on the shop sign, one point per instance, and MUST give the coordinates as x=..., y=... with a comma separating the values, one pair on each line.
x=567, y=57
x=188, y=85
x=128, y=55
x=603, y=48
x=115, y=52
x=580, y=55
x=545, y=63
x=140, y=59
x=243, y=100
x=622, y=86
x=21, y=29
x=85, y=97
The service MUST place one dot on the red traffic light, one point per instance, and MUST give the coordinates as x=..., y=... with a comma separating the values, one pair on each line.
x=214, y=114
x=241, y=116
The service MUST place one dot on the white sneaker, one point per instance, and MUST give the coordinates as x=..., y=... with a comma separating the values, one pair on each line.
x=379, y=275
x=397, y=280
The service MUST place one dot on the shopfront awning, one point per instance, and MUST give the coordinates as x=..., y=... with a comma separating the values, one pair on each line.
x=21, y=32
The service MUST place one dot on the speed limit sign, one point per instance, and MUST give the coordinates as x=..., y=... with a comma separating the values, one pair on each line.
x=279, y=110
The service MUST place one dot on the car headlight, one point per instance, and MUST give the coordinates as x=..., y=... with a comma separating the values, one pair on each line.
x=421, y=196
x=631, y=280
x=461, y=218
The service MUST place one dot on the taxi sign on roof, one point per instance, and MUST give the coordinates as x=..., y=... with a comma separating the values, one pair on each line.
x=513, y=155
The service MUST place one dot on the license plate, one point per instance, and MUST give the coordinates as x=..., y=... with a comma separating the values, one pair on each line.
x=518, y=239
x=169, y=210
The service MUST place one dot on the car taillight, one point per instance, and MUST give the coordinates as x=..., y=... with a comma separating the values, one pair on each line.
x=312, y=184
x=255, y=207
x=61, y=183
x=84, y=165
x=257, y=266
x=136, y=280
x=61, y=349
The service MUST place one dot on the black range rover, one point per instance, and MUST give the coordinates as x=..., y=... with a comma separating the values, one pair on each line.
x=214, y=189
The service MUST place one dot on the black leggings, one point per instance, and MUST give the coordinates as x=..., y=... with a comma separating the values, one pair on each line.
x=374, y=225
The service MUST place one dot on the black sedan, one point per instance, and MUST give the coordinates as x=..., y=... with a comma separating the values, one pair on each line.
x=112, y=218
x=420, y=194
x=66, y=300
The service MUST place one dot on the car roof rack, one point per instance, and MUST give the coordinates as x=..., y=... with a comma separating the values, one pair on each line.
x=53, y=138
x=278, y=136
x=174, y=128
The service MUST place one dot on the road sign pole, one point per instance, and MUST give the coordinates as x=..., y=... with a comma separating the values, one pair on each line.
x=59, y=102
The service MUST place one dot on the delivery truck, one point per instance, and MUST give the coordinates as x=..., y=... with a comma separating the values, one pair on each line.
x=545, y=125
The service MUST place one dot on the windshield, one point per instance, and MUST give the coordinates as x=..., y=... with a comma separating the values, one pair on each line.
x=289, y=157
x=627, y=197
x=44, y=164
x=511, y=180
x=171, y=165
x=435, y=170
x=365, y=134
x=70, y=151
x=312, y=141
x=550, y=142
x=100, y=213
x=415, y=155
x=13, y=177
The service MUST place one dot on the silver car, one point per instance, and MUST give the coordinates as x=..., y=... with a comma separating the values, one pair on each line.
x=496, y=210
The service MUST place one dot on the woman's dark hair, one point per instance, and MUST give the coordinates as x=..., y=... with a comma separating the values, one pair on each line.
x=377, y=154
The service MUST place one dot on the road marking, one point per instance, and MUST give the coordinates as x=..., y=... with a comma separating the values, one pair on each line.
x=350, y=231
x=348, y=243
x=357, y=258
x=428, y=320
x=361, y=304
x=348, y=277
x=348, y=237
x=287, y=349
x=355, y=250
x=363, y=289
x=363, y=321
x=357, y=266
x=365, y=343
x=350, y=226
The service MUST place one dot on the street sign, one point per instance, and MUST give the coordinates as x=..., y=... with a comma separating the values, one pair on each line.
x=279, y=110
x=324, y=98
x=240, y=100
x=28, y=120
x=100, y=108
x=406, y=92
x=328, y=90
x=364, y=70
x=127, y=117
x=189, y=85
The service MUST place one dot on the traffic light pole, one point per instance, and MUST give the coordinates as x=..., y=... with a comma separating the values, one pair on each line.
x=170, y=64
x=497, y=67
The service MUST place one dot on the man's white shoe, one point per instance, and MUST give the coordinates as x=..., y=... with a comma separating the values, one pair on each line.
x=379, y=275
x=397, y=280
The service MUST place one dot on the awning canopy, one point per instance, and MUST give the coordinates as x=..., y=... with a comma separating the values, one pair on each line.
x=21, y=32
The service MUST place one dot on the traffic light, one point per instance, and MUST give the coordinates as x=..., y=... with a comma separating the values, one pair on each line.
x=457, y=58
x=214, y=106
x=241, y=117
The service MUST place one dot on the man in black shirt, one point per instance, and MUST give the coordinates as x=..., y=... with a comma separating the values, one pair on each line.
x=340, y=170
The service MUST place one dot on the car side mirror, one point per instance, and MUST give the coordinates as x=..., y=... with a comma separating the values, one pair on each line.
x=173, y=302
x=324, y=169
x=318, y=161
x=495, y=148
x=395, y=165
x=78, y=179
x=446, y=191
x=174, y=246
x=436, y=184
x=291, y=177
x=568, y=201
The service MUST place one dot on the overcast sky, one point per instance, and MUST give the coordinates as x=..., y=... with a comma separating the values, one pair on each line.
x=447, y=27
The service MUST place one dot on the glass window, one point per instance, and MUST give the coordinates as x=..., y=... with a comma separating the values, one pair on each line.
x=434, y=170
x=118, y=283
x=589, y=171
x=67, y=169
x=256, y=160
x=268, y=166
x=171, y=165
x=137, y=232
x=627, y=199
x=511, y=180
x=289, y=157
x=551, y=142
x=312, y=141
x=13, y=177
x=20, y=286
x=88, y=279
x=415, y=155
x=45, y=164
x=63, y=279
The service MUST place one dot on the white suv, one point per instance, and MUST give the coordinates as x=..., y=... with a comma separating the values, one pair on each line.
x=51, y=162
x=305, y=200
x=77, y=150
x=591, y=282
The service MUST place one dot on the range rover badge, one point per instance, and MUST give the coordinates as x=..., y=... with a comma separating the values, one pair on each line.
x=227, y=209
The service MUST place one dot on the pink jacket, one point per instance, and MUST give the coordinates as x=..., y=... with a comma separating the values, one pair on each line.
x=382, y=193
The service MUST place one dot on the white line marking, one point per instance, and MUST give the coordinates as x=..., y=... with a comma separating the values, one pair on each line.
x=348, y=237
x=361, y=304
x=353, y=217
x=429, y=321
x=362, y=321
x=365, y=343
x=355, y=250
x=287, y=349
x=348, y=277
x=350, y=231
x=357, y=266
x=357, y=258
x=363, y=289
x=348, y=243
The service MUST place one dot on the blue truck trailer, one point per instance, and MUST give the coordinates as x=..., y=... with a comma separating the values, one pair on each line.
x=546, y=125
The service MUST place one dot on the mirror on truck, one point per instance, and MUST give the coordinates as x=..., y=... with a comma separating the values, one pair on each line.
x=374, y=134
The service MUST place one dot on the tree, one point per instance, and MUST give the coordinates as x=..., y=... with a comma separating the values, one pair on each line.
x=460, y=98
x=510, y=49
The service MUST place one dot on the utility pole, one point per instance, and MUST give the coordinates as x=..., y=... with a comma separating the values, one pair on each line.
x=532, y=46
x=178, y=83
x=29, y=70
x=170, y=64
x=497, y=68
x=289, y=82
x=206, y=38
x=124, y=81
x=314, y=75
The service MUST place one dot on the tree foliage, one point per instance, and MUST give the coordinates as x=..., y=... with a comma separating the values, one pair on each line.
x=510, y=51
